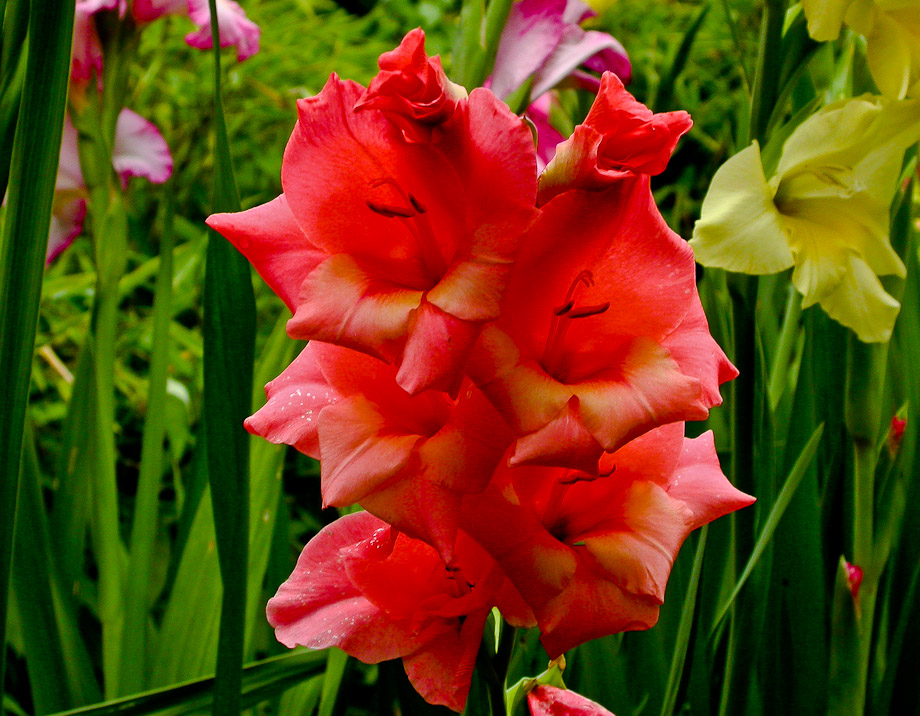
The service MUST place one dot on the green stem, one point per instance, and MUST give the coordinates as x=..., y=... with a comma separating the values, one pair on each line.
x=787, y=339
x=485, y=665
x=769, y=66
x=864, y=390
x=110, y=240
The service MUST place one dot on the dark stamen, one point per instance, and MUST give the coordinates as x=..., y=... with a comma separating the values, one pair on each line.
x=574, y=477
x=563, y=309
x=585, y=311
x=390, y=211
x=419, y=207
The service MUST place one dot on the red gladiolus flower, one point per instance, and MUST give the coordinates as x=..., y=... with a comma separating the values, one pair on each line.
x=378, y=594
x=407, y=459
x=620, y=137
x=601, y=338
x=546, y=700
x=591, y=555
x=416, y=238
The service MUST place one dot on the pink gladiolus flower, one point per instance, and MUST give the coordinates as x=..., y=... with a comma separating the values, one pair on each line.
x=416, y=238
x=236, y=30
x=546, y=700
x=407, y=459
x=620, y=137
x=542, y=38
x=377, y=594
x=591, y=555
x=139, y=150
x=86, y=57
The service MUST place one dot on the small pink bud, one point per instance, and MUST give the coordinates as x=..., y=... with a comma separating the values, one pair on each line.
x=854, y=577
x=896, y=434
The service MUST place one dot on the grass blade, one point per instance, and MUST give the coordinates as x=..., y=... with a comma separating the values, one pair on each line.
x=779, y=507
x=36, y=148
x=336, y=663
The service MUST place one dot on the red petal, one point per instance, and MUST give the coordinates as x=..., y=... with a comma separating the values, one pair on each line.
x=270, y=238
x=341, y=303
x=441, y=671
x=564, y=442
x=295, y=400
x=645, y=390
x=358, y=452
x=546, y=700
x=438, y=348
x=319, y=607
x=537, y=564
x=697, y=353
x=589, y=608
x=699, y=482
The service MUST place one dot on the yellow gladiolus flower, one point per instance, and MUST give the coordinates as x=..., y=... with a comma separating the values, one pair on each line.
x=892, y=32
x=825, y=211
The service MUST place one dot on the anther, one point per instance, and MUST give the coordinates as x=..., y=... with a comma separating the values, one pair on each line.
x=563, y=309
x=419, y=206
x=574, y=477
x=586, y=311
x=390, y=211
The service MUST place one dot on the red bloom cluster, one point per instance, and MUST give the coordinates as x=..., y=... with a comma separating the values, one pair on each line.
x=498, y=372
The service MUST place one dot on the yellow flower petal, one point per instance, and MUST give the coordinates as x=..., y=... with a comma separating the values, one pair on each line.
x=740, y=228
x=888, y=53
x=825, y=17
x=861, y=304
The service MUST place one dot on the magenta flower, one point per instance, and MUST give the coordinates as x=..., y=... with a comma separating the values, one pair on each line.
x=86, y=57
x=236, y=30
x=543, y=39
x=139, y=151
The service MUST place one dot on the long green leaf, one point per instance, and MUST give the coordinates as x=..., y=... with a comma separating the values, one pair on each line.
x=682, y=642
x=776, y=514
x=31, y=579
x=36, y=148
x=259, y=681
x=143, y=530
x=229, y=344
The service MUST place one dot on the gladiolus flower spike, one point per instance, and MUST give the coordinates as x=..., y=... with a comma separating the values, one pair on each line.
x=499, y=381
